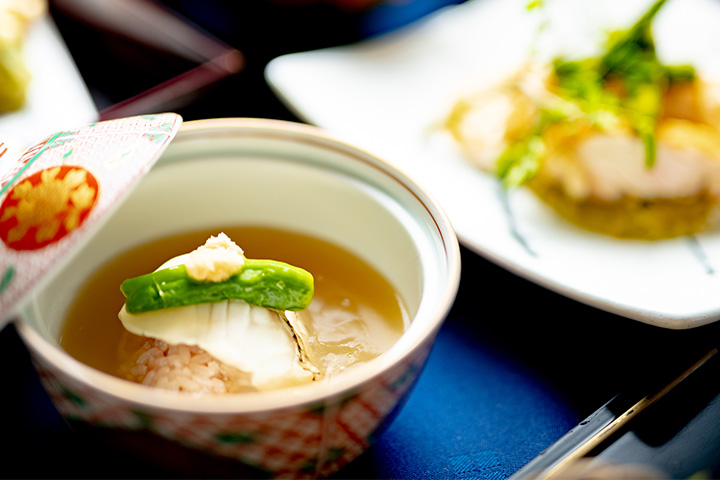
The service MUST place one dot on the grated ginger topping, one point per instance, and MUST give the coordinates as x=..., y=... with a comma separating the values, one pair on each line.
x=216, y=261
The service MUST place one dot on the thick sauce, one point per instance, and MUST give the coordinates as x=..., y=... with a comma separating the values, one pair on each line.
x=355, y=314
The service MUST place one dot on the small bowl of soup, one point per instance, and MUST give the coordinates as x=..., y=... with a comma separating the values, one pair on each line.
x=385, y=268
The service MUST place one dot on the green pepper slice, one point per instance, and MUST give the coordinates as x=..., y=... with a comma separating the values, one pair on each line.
x=265, y=283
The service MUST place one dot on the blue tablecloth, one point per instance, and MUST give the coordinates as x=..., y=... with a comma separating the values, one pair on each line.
x=477, y=413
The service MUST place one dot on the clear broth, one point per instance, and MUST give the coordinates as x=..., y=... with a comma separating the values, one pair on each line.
x=355, y=314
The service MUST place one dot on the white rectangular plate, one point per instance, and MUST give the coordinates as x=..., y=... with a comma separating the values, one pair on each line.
x=387, y=94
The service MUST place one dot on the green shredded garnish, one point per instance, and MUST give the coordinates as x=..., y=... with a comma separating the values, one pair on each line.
x=629, y=60
x=265, y=283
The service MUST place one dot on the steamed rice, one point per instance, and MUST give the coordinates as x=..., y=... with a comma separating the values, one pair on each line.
x=185, y=368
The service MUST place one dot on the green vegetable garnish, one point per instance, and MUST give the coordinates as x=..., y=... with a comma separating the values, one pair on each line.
x=265, y=283
x=630, y=65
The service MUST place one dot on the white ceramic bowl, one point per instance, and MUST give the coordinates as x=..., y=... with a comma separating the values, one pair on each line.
x=276, y=174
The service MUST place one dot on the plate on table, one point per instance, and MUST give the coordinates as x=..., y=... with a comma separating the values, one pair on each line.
x=388, y=93
x=57, y=98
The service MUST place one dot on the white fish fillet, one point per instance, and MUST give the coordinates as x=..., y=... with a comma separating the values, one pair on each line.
x=606, y=165
x=253, y=339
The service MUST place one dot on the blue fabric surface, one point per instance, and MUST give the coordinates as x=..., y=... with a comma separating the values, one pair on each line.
x=476, y=413
x=389, y=16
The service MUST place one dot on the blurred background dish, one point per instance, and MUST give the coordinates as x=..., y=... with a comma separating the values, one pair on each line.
x=390, y=93
x=56, y=96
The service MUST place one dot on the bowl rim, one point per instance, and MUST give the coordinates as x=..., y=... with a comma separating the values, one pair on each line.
x=285, y=398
